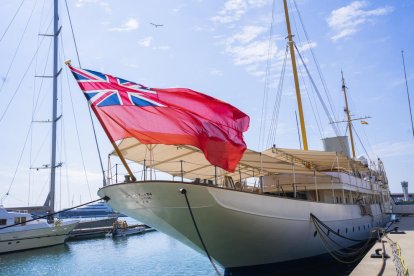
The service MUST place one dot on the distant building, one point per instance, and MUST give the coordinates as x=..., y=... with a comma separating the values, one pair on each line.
x=404, y=185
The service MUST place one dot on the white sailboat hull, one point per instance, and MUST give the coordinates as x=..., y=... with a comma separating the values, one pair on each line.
x=239, y=228
x=22, y=239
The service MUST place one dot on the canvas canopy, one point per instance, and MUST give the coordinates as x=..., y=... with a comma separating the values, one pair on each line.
x=190, y=162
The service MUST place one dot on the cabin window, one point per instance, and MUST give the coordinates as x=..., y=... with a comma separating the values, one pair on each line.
x=3, y=221
x=20, y=220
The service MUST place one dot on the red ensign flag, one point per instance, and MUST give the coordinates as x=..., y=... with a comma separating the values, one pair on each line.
x=173, y=116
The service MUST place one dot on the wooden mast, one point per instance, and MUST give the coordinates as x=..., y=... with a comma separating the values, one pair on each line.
x=348, y=116
x=295, y=76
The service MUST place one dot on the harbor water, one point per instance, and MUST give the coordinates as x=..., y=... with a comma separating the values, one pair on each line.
x=152, y=253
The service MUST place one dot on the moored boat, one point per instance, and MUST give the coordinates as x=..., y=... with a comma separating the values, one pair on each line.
x=19, y=232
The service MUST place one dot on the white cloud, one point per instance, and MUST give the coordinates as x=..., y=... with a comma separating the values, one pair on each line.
x=254, y=52
x=103, y=4
x=176, y=9
x=233, y=10
x=130, y=25
x=162, y=48
x=215, y=72
x=146, y=42
x=307, y=46
x=248, y=33
x=346, y=20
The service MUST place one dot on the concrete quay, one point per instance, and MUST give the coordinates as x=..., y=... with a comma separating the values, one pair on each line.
x=400, y=262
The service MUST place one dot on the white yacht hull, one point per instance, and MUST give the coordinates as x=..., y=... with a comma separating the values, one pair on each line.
x=239, y=228
x=34, y=238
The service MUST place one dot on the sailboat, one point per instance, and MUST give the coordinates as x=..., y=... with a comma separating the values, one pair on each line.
x=274, y=207
x=18, y=230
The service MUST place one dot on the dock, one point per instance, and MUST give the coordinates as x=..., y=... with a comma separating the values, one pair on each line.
x=99, y=232
x=399, y=247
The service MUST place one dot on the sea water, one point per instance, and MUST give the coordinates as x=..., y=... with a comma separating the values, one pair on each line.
x=151, y=253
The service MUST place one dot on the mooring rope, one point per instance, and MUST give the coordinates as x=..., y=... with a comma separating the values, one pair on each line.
x=106, y=198
x=184, y=192
x=338, y=253
x=402, y=269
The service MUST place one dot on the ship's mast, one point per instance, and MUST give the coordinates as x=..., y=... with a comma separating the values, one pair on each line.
x=348, y=116
x=50, y=201
x=295, y=76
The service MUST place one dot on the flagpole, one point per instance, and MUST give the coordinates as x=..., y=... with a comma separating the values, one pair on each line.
x=114, y=145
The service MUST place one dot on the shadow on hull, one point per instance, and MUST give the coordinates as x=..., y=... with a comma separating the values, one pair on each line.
x=319, y=265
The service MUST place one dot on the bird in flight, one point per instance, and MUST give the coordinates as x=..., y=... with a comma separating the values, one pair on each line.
x=156, y=25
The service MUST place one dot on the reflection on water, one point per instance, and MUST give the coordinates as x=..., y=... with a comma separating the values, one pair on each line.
x=152, y=253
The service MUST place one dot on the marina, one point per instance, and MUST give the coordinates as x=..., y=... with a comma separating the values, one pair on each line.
x=186, y=182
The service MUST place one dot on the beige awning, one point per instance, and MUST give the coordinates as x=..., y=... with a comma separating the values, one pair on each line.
x=171, y=159
x=320, y=160
x=191, y=161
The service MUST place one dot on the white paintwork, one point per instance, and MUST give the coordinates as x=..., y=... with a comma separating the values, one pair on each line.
x=239, y=228
x=33, y=234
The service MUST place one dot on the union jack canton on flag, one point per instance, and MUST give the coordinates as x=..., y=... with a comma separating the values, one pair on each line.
x=105, y=90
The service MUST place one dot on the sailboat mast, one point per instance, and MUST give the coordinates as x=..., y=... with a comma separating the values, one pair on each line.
x=296, y=79
x=54, y=111
x=348, y=116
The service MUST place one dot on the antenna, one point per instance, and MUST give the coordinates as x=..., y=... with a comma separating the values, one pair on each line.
x=408, y=93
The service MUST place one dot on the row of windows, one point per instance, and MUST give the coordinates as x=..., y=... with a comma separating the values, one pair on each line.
x=364, y=227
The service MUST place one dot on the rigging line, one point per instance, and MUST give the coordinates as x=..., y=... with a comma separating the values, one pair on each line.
x=18, y=47
x=408, y=93
x=73, y=34
x=89, y=108
x=360, y=141
x=20, y=83
x=61, y=144
x=106, y=198
x=266, y=85
x=318, y=117
x=20, y=159
x=14, y=16
x=319, y=95
x=325, y=87
x=77, y=132
x=31, y=173
x=276, y=108
x=66, y=158
x=41, y=83
x=70, y=93
x=319, y=123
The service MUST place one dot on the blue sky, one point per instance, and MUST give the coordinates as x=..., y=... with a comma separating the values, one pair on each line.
x=220, y=48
